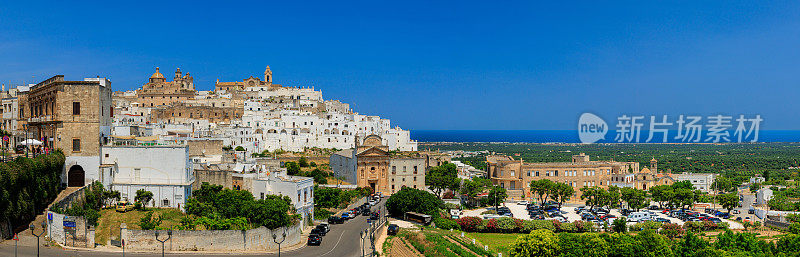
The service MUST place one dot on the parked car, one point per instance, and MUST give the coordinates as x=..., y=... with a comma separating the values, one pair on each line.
x=375, y=216
x=735, y=211
x=751, y=211
x=663, y=220
x=393, y=229
x=317, y=231
x=365, y=212
x=523, y=203
x=335, y=220
x=124, y=206
x=314, y=240
x=346, y=216
x=324, y=227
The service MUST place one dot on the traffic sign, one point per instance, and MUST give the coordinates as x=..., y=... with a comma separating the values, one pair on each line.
x=50, y=216
x=69, y=224
x=16, y=238
x=5, y=138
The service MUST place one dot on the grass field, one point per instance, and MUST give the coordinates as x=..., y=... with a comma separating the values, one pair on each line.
x=497, y=242
x=110, y=220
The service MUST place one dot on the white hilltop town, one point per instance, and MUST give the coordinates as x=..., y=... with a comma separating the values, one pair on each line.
x=254, y=113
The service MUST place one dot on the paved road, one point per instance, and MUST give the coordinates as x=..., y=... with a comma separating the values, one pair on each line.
x=342, y=240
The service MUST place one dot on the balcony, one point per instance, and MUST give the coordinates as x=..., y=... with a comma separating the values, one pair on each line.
x=44, y=118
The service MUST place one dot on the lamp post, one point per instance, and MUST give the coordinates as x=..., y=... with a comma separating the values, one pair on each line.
x=169, y=235
x=275, y=239
x=37, y=236
x=363, y=234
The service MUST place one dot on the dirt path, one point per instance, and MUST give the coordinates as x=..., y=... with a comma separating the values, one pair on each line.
x=460, y=245
x=401, y=249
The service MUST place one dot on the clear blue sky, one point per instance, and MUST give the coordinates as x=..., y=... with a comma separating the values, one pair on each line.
x=430, y=65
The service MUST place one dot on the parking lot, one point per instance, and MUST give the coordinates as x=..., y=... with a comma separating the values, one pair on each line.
x=568, y=211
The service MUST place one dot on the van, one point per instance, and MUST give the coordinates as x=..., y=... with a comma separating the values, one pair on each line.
x=124, y=206
x=640, y=216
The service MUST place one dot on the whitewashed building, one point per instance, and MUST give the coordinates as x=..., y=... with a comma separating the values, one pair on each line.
x=700, y=181
x=164, y=170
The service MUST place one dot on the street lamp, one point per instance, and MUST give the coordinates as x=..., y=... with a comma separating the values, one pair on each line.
x=169, y=235
x=275, y=239
x=363, y=234
x=37, y=236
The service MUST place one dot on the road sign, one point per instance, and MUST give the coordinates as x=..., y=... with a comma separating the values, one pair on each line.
x=5, y=138
x=50, y=216
x=16, y=238
x=69, y=224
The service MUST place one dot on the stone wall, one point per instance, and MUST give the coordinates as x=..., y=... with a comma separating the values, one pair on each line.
x=204, y=147
x=258, y=239
x=214, y=177
x=81, y=236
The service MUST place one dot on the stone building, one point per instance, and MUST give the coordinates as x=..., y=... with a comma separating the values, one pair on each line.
x=74, y=116
x=183, y=113
x=516, y=175
x=370, y=164
x=158, y=91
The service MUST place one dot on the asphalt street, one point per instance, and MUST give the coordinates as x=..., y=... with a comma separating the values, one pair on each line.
x=342, y=240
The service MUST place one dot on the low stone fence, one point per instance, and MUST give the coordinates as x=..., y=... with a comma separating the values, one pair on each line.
x=776, y=223
x=67, y=201
x=258, y=239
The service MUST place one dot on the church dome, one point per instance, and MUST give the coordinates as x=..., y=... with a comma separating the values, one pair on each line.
x=157, y=75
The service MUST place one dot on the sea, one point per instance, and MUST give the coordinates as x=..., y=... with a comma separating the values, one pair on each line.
x=571, y=136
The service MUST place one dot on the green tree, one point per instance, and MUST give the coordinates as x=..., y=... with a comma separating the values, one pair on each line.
x=471, y=189
x=634, y=198
x=594, y=196
x=724, y=184
x=292, y=168
x=539, y=243
x=728, y=201
x=413, y=200
x=690, y=246
x=542, y=188
x=497, y=195
x=653, y=244
x=442, y=177
x=613, y=197
x=585, y=244
x=143, y=197
x=755, y=187
x=662, y=194
x=148, y=222
x=563, y=192
x=620, y=225
x=303, y=162
x=240, y=148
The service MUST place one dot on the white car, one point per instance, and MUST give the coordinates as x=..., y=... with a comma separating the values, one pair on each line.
x=523, y=203
x=373, y=202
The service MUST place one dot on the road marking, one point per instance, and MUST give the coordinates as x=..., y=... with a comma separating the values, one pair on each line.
x=337, y=244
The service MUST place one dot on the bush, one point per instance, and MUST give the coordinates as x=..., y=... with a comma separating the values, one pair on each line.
x=445, y=224
x=469, y=224
x=506, y=225
x=672, y=230
x=322, y=214
x=620, y=225
x=692, y=226
x=654, y=225
x=544, y=224
x=239, y=148
x=794, y=228
x=709, y=225
x=528, y=226
x=148, y=222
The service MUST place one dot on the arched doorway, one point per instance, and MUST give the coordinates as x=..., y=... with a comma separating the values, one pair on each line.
x=75, y=176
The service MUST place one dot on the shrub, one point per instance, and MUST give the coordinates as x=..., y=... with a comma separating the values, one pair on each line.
x=491, y=225
x=544, y=224
x=568, y=227
x=794, y=228
x=709, y=225
x=446, y=224
x=692, y=226
x=672, y=230
x=620, y=225
x=483, y=225
x=528, y=226
x=506, y=225
x=469, y=224
x=449, y=195
x=654, y=225
x=148, y=222
x=413, y=200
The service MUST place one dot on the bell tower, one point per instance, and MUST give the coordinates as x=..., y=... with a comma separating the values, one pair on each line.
x=653, y=166
x=268, y=75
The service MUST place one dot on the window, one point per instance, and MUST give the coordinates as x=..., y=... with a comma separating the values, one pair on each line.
x=415, y=169
x=76, y=108
x=76, y=145
x=415, y=178
x=165, y=203
x=262, y=195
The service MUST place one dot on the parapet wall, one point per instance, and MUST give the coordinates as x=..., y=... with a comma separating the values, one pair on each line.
x=258, y=239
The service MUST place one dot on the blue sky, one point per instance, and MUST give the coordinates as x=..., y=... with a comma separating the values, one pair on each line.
x=437, y=65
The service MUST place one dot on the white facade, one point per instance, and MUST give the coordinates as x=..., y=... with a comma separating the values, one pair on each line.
x=163, y=170
x=700, y=181
x=299, y=189
x=763, y=196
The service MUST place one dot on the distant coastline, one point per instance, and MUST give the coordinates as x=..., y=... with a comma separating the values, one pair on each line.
x=566, y=136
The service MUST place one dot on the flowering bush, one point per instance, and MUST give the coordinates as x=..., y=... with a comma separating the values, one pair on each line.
x=672, y=230
x=709, y=225
x=491, y=226
x=692, y=226
x=469, y=224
